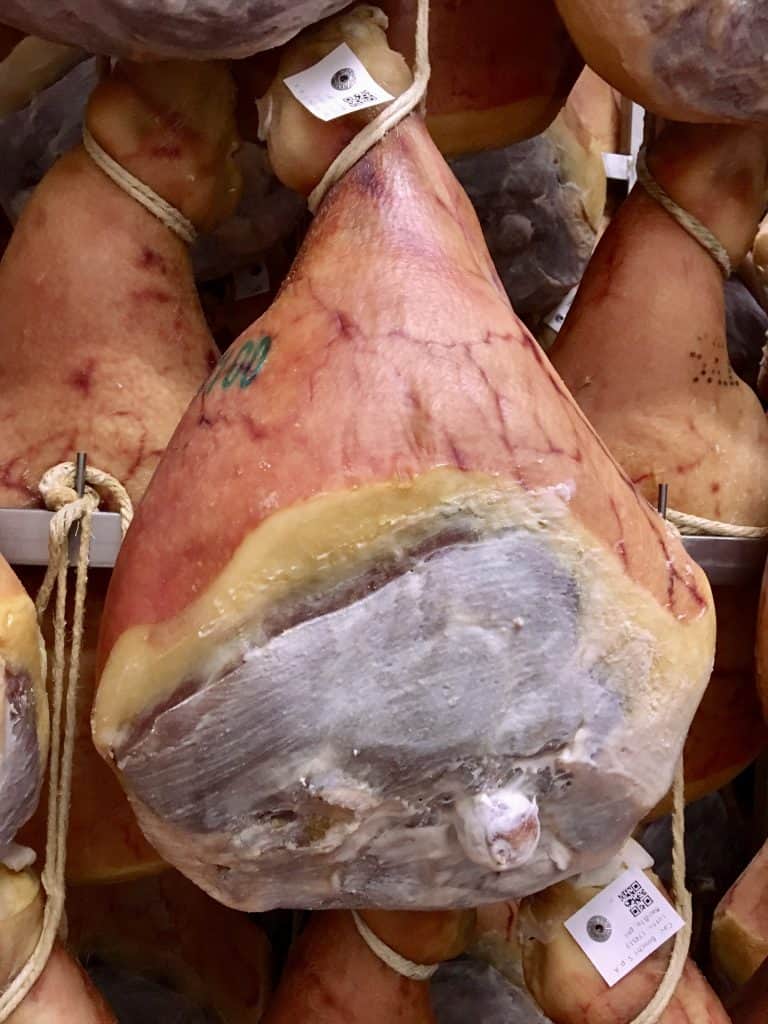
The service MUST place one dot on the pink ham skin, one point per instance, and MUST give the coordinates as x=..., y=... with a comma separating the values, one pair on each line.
x=496, y=406
x=570, y=991
x=750, y=1004
x=104, y=342
x=332, y=977
x=62, y=995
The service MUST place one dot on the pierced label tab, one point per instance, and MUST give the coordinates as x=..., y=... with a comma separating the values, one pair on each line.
x=337, y=85
x=623, y=925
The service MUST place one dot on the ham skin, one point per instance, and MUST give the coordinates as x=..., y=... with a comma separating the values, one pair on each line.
x=23, y=708
x=644, y=352
x=381, y=547
x=739, y=942
x=685, y=60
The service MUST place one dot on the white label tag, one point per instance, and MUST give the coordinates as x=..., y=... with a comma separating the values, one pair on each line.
x=254, y=281
x=336, y=85
x=623, y=925
x=556, y=319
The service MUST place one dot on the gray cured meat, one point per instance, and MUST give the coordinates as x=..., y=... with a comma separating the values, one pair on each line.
x=747, y=329
x=533, y=221
x=466, y=990
x=145, y=29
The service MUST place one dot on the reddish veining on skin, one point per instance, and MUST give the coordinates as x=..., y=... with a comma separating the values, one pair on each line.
x=359, y=389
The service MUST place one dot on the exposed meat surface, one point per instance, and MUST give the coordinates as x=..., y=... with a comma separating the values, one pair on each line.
x=687, y=60
x=740, y=925
x=23, y=708
x=570, y=991
x=480, y=624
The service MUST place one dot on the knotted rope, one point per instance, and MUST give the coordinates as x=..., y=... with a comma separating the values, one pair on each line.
x=165, y=212
x=406, y=968
x=392, y=114
x=56, y=489
x=691, y=525
x=698, y=231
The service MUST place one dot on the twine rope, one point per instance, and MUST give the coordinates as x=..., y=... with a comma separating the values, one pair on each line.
x=392, y=114
x=692, y=526
x=698, y=231
x=57, y=490
x=406, y=968
x=654, y=1011
x=165, y=212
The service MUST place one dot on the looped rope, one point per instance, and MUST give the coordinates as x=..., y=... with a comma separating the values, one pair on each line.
x=690, y=526
x=392, y=114
x=56, y=489
x=165, y=212
x=406, y=968
x=698, y=231
x=654, y=1011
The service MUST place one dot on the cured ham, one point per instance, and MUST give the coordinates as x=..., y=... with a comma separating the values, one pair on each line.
x=62, y=994
x=644, y=353
x=687, y=60
x=740, y=926
x=333, y=977
x=23, y=710
x=129, y=349
x=570, y=991
x=147, y=29
x=390, y=626
x=159, y=943
x=30, y=66
x=465, y=990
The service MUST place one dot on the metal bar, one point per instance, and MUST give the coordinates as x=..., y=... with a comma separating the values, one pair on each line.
x=24, y=537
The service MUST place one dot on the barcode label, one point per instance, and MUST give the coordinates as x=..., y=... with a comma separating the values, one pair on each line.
x=636, y=899
x=621, y=926
x=556, y=318
x=337, y=85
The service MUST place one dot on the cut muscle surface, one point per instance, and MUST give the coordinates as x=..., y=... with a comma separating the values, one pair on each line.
x=390, y=626
x=687, y=60
x=740, y=926
x=23, y=708
x=644, y=353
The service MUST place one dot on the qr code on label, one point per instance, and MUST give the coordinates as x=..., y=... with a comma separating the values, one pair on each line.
x=360, y=97
x=635, y=899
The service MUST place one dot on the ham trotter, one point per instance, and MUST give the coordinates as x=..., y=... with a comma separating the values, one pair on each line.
x=570, y=991
x=333, y=977
x=62, y=994
x=687, y=60
x=390, y=626
x=104, y=352
x=23, y=709
x=644, y=353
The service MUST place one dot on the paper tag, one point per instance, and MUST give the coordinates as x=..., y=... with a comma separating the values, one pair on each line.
x=254, y=281
x=336, y=85
x=623, y=925
x=555, y=319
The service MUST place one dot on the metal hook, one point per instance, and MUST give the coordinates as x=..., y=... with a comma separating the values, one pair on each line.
x=661, y=500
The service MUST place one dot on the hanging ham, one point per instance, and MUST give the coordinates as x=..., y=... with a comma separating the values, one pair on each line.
x=687, y=60
x=644, y=353
x=62, y=994
x=105, y=344
x=390, y=626
x=23, y=710
x=740, y=926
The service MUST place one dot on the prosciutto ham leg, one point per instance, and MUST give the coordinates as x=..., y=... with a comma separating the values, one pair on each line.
x=23, y=710
x=104, y=344
x=390, y=626
x=644, y=353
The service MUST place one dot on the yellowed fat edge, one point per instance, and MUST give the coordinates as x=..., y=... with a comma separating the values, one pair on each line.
x=21, y=918
x=470, y=131
x=325, y=539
